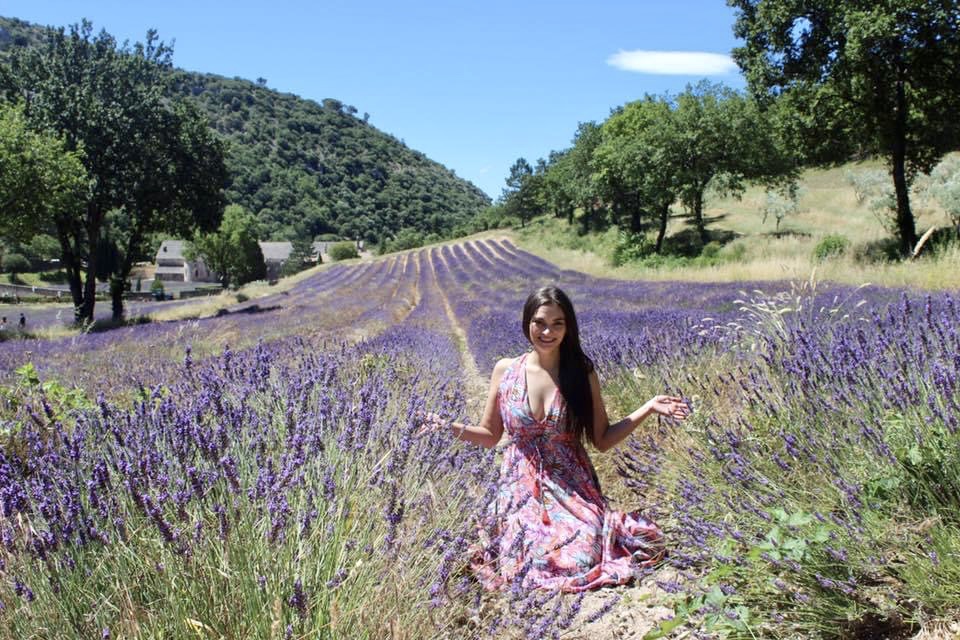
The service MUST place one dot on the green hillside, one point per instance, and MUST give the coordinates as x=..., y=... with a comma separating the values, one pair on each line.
x=307, y=169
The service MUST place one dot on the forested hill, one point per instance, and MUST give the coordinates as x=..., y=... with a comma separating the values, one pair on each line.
x=306, y=168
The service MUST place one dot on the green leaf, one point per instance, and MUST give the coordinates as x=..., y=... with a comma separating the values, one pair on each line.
x=914, y=455
x=716, y=597
x=775, y=535
x=665, y=628
x=799, y=519
x=28, y=374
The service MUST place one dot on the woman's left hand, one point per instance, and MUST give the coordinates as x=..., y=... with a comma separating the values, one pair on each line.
x=669, y=406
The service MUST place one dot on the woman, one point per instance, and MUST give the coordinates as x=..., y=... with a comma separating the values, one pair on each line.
x=551, y=528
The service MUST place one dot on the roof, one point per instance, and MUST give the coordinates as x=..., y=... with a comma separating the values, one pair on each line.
x=276, y=251
x=171, y=250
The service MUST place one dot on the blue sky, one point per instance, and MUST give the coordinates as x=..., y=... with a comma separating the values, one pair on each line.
x=473, y=85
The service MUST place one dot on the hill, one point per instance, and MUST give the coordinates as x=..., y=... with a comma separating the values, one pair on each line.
x=307, y=168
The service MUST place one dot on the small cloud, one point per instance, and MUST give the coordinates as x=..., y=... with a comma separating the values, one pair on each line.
x=673, y=63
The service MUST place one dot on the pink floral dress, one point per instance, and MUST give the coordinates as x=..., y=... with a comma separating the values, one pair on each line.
x=550, y=527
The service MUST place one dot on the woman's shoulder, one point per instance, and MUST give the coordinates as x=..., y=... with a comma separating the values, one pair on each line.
x=506, y=364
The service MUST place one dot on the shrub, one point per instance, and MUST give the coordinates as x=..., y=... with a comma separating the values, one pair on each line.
x=711, y=250
x=883, y=250
x=630, y=247
x=344, y=251
x=15, y=263
x=830, y=246
x=157, y=289
x=407, y=239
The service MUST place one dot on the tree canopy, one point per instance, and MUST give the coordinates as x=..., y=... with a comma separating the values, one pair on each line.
x=858, y=76
x=39, y=177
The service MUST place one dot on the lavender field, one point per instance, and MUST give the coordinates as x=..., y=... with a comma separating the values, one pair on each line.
x=259, y=474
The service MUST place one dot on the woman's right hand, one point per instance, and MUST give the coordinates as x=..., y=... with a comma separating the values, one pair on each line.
x=429, y=422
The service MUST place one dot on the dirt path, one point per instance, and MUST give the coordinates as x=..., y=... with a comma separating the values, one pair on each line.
x=476, y=384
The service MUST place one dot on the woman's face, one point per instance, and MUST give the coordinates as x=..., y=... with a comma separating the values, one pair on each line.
x=547, y=328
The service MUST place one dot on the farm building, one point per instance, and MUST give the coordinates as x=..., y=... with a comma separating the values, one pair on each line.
x=173, y=266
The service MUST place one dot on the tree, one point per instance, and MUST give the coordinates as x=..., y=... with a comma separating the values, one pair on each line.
x=232, y=251
x=14, y=263
x=39, y=177
x=519, y=196
x=145, y=156
x=43, y=248
x=639, y=153
x=177, y=189
x=299, y=258
x=878, y=77
x=344, y=251
x=583, y=187
x=723, y=141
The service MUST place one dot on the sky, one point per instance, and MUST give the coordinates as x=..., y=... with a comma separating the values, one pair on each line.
x=473, y=85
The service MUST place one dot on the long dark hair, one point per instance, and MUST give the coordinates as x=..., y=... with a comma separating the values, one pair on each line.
x=575, y=366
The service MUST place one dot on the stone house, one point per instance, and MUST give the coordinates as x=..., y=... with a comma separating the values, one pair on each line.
x=173, y=266
x=275, y=254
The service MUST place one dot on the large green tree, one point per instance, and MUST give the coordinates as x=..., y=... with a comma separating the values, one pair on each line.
x=640, y=152
x=519, y=197
x=722, y=140
x=39, y=177
x=146, y=157
x=232, y=251
x=876, y=77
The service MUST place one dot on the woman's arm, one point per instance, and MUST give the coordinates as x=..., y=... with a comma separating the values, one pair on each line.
x=488, y=432
x=606, y=435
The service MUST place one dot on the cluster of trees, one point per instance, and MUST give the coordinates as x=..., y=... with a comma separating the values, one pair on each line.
x=649, y=154
x=826, y=83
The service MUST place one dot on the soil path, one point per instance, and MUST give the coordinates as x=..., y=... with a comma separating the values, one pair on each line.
x=476, y=385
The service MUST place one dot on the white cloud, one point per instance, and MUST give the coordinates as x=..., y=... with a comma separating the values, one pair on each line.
x=673, y=63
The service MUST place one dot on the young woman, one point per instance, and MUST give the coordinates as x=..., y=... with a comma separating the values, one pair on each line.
x=552, y=528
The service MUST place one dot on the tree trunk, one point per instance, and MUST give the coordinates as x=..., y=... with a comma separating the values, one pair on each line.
x=698, y=214
x=90, y=284
x=662, y=228
x=117, y=286
x=635, y=215
x=905, y=222
x=71, y=264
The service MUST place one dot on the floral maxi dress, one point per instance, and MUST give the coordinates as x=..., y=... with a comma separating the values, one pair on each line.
x=550, y=527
